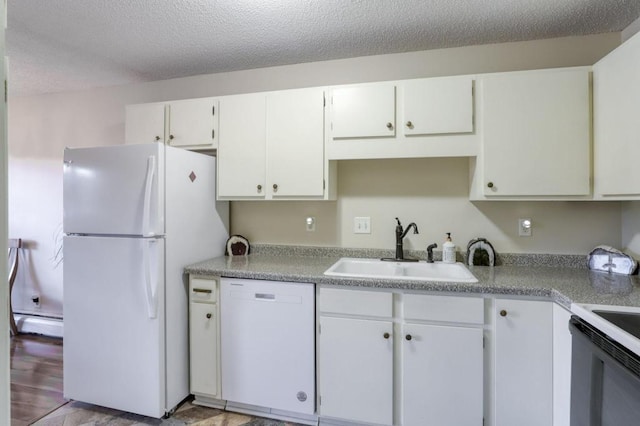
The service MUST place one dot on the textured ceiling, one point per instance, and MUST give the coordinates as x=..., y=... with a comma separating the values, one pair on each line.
x=60, y=45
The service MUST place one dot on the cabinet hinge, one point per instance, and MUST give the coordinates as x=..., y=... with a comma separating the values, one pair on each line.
x=483, y=421
x=213, y=110
x=483, y=341
x=324, y=185
x=5, y=91
x=319, y=328
x=320, y=401
x=213, y=133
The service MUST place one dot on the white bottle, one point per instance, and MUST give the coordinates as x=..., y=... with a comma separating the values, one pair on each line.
x=449, y=250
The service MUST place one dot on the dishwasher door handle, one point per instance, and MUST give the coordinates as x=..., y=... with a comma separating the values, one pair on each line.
x=265, y=296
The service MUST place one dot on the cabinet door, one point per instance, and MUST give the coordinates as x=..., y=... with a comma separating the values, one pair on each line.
x=523, y=363
x=193, y=123
x=366, y=111
x=203, y=338
x=144, y=123
x=295, y=143
x=442, y=372
x=536, y=133
x=561, y=366
x=616, y=102
x=355, y=370
x=241, y=149
x=438, y=106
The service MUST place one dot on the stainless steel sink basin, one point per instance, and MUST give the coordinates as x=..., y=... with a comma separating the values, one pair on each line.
x=416, y=271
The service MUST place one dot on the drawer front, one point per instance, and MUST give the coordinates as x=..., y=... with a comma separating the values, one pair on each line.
x=444, y=308
x=356, y=302
x=203, y=290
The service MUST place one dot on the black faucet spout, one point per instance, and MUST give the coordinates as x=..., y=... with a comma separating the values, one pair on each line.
x=406, y=231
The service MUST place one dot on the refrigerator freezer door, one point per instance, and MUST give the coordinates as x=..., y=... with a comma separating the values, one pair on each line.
x=113, y=333
x=114, y=190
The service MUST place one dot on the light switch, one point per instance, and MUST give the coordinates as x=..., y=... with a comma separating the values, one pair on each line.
x=361, y=225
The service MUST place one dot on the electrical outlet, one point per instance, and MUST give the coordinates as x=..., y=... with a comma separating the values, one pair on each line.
x=361, y=225
x=311, y=224
x=524, y=227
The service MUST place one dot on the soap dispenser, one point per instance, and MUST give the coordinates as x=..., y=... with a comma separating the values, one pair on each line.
x=448, y=250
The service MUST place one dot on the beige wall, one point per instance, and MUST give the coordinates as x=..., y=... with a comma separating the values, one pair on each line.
x=432, y=193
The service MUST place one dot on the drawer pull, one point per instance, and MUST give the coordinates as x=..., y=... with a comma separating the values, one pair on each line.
x=386, y=335
x=208, y=316
x=202, y=290
x=503, y=313
x=408, y=337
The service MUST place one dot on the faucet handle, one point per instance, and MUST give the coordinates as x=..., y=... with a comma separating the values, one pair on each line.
x=398, y=220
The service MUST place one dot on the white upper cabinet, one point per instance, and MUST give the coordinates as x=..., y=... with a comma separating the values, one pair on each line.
x=536, y=138
x=241, y=148
x=190, y=123
x=295, y=143
x=144, y=123
x=616, y=102
x=438, y=106
x=363, y=111
x=271, y=146
x=193, y=123
x=430, y=117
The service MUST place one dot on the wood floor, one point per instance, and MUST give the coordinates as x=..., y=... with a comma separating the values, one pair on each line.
x=36, y=396
x=36, y=377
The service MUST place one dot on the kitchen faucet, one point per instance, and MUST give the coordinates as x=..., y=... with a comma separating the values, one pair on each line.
x=400, y=234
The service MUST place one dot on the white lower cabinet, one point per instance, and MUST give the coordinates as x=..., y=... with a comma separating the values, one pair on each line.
x=356, y=369
x=204, y=341
x=442, y=375
x=561, y=366
x=391, y=358
x=523, y=363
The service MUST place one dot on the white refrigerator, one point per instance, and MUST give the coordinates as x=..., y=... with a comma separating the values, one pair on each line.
x=134, y=217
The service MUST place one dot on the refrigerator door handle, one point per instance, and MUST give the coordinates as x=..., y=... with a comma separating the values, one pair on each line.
x=150, y=281
x=146, y=208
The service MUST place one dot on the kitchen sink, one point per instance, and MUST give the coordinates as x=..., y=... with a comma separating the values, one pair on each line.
x=416, y=271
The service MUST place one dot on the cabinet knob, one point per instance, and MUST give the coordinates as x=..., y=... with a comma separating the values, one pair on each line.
x=503, y=313
x=157, y=138
x=490, y=185
x=390, y=126
x=259, y=188
x=409, y=124
x=171, y=137
x=386, y=335
x=275, y=187
x=408, y=337
x=209, y=316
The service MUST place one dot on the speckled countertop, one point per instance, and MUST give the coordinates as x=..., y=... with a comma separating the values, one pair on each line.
x=562, y=284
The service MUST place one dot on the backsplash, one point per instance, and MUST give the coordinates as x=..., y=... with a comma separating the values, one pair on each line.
x=511, y=259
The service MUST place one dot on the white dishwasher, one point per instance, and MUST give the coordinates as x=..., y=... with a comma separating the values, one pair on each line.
x=268, y=347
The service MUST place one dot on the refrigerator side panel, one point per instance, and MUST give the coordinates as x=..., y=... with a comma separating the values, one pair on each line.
x=197, y=229
x=114, y=190
x=113, y=337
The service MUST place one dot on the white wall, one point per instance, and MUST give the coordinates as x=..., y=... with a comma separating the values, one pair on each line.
x=432, y=193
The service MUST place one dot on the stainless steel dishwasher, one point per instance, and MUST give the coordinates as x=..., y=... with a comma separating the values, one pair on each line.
x=268, y=348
